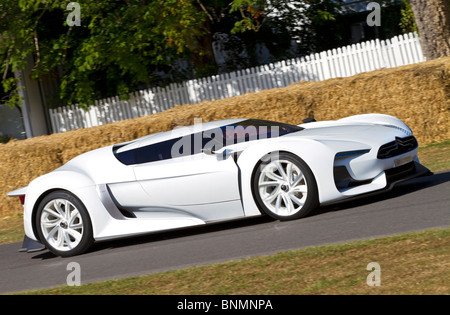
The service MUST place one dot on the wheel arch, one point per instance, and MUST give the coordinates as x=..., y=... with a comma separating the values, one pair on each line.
x=267, y=157
x=40, y=199
x=305, y=149
x=61, y=180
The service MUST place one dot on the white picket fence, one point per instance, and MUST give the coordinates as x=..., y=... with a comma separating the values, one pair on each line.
x=341, y=62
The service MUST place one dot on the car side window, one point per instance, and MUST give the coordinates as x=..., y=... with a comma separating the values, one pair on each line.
x=215, y=139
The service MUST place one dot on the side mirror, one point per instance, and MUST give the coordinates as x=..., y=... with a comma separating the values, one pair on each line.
x=223, y=152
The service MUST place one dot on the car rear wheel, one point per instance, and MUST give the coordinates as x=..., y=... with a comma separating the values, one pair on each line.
x=284, y=187
x=63, y=224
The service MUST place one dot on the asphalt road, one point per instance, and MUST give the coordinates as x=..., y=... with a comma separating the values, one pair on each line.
x=419, y=204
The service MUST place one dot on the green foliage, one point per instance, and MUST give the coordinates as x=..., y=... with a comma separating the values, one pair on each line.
x=116, y=48
x=253, y=14
x=120, y=44
x=10, y=85
x=320, y=30
x=407, y=22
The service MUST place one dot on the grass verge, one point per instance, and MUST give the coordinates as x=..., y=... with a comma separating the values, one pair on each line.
x=11, y=229
x=436, y=156
x=413, y=263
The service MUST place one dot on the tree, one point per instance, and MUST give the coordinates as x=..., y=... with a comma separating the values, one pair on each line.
x=433, y=22
x=240, y=24
x=117, y=47
x=273, y=23
x=119, y=44
x=407, y=20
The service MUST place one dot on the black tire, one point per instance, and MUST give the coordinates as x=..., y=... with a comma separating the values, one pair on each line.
x=63, y=224
x=284, y=187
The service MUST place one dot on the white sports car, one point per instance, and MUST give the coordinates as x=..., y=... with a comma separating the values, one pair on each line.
x=212, y=172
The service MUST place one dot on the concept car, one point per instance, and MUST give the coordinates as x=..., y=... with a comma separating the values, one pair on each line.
x=212, y=172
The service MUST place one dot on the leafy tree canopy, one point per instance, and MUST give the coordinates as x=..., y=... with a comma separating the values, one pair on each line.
x=120, y=43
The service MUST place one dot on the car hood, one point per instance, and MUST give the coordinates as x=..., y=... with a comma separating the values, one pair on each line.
x=352, y=131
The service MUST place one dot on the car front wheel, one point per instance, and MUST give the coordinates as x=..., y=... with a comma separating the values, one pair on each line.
x=284, y=187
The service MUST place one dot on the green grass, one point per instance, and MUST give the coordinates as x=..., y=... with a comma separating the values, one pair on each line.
x=413, y=263
x=11, y=229
x=436, y=156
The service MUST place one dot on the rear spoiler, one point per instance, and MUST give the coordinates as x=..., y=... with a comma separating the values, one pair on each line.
x=18, y=192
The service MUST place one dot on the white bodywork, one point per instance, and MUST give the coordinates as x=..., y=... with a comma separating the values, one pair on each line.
x=202, y=188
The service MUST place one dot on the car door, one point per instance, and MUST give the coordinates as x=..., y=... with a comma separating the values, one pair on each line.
x=205, y=185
